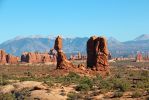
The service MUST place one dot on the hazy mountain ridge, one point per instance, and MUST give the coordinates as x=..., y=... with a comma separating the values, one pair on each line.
x=142, y=37
x=73, y=45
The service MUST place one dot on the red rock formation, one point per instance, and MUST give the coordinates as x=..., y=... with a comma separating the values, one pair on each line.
x=7, y=58
x=101, y=51
x=62, y=62
x=91, y=52
x=2, y=57
x=58, y=44
x=23, y=57
x=97, y=53
x=139, y=57
x=32, y=57
x=46, y=58
x=11, y=59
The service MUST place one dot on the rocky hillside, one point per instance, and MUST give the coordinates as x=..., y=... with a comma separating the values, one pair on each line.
x=73, y=45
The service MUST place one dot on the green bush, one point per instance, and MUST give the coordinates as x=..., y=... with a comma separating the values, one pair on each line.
x=69, y=79
x=83, y=87
x=118, y=75
x=27, y=79
x=98, y=77
x=104, y=84
x=145, y=73
x=85, y=84
x=142, y=84
x=121, y=85
x=72, y=77
x=86, y=80
x=3, y=80
x=74, y=96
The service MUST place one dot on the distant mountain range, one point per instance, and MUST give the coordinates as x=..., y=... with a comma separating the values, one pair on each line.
x=74, y=45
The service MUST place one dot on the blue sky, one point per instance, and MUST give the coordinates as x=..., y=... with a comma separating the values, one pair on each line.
x=122, y=19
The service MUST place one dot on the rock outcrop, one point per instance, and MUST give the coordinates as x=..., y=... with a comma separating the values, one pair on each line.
x=91, y=52
x=58, y=44
x=62, y=62
x=2, y=57
x=97, y=54
x=32, y=57
x=12, y=59
x=7, y=58
x=139, y=57
x=101, y=50
x=110, y=56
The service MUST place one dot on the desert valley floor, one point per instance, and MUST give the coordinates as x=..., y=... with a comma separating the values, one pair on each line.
x=128, y=80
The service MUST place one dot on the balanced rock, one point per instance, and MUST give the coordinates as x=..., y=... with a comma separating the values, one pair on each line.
x=62, y=62
x=58, y=44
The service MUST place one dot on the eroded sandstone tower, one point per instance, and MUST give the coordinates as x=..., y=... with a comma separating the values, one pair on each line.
x=62, y=62
x=97, y=54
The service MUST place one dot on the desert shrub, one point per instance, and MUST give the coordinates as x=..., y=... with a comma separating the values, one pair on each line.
x=69, y=79
x=104, y=84
x=8, y=96
x=98, y=77
x=47, y=79
x=118, y=75
x=63, y=80
x=83, y=87
x=136, y=94
x=74, y=96
x=101, y=83
x=140, y=84
x=134, y=74
x=28, y=73
x=145, y=73
x=86, y=80
x=143, y=84
x=3, y=80
x=121, y=85
x=28, y=79
x=117, y=94
x=72, y=77
x=85, y=84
